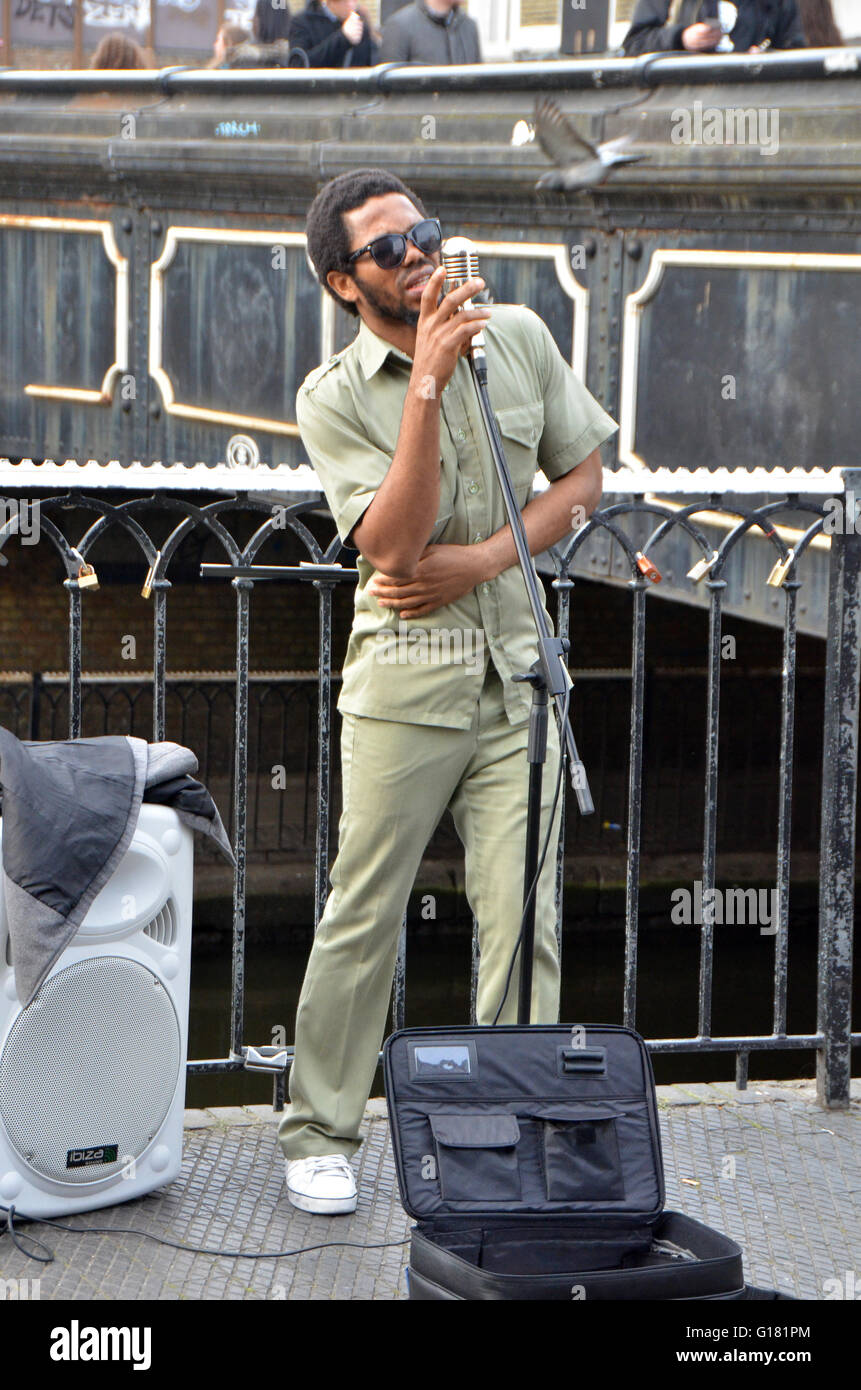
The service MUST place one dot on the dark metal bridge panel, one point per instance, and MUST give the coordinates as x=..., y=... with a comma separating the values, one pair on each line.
x=154, y=286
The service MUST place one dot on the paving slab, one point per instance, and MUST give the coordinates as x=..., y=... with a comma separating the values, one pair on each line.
x=766, y=1166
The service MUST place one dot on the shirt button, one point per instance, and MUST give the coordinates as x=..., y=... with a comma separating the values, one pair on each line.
x=485, y=588
x=477, y=537
x=473, y=487
x=461, y=435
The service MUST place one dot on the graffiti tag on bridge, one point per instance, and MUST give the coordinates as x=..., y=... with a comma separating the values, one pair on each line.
x=47, y=12
x=116, y=14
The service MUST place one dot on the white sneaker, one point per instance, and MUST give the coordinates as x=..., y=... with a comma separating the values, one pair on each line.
x=324, y=1185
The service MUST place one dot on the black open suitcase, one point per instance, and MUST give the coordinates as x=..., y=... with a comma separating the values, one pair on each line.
x=531, y=1160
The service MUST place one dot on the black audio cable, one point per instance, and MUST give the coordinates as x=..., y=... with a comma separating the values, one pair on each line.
x=10, y=1213
x=534, y=886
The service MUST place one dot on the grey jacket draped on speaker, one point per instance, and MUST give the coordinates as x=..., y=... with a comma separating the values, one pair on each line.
x=69, y=814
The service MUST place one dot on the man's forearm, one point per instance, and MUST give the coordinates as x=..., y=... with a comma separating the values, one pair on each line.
x=548, y=517
x=396, y=526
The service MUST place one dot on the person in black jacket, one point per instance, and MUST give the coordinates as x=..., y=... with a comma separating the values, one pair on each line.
x=271, y=22
x=334, y=34
x=692, y=25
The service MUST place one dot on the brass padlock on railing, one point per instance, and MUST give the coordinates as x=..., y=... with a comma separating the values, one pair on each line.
x=780, y=570
x=150, y=577
x=87, y=578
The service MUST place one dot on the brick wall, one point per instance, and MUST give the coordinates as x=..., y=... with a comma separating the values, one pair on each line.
x=201, y=613
x=201, y=624
x=202, y=632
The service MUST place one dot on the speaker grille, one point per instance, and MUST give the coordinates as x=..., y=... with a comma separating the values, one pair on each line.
x=94, y=1061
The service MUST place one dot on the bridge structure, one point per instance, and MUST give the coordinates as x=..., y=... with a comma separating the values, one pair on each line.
x=158, y=313
x=153, y=265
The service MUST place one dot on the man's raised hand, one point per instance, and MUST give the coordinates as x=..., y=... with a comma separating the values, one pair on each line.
x=352, y=27
x=445, y=330
x=701, y=38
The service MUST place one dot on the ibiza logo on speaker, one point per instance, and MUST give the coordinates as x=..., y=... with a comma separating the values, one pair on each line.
x=82, y=1158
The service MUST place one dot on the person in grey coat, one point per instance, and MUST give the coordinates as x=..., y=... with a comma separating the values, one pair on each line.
x=435, y=32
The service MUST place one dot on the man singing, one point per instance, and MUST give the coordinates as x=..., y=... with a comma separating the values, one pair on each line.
x=431, y=715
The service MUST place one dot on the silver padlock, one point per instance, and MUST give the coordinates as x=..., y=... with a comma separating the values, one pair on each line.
x=702, y=567
x=266, y=1058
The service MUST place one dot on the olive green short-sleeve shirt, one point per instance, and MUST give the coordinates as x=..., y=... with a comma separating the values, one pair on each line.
x=430, y=670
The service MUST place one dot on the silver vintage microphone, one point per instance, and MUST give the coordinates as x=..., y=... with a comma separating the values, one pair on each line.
x=460, y=258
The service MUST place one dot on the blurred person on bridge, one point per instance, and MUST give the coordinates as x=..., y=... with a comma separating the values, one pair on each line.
x=435, y=32
x=118, y=51
x=820, y=27
x=271, y=21
x=335, y=34
x=229, y=36
x=694, y=26
x=268, y=46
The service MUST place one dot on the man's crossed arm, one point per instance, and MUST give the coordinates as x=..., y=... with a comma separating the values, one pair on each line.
x=445, y=572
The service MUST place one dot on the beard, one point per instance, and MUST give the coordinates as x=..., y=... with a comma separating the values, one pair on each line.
x=388, y=306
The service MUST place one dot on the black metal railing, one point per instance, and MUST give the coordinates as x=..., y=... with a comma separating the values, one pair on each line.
x=832, y=1038
x=200, y=712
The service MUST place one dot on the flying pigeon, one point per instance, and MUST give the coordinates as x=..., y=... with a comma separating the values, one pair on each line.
x=578, y=164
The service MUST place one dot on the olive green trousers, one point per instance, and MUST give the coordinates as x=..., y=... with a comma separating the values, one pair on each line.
x=397, y=781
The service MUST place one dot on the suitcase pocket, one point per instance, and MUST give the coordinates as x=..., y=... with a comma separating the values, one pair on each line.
x=581, y=1156
x=477, y=1157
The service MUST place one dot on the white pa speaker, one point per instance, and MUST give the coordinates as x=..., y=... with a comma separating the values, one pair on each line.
x=92, y=1073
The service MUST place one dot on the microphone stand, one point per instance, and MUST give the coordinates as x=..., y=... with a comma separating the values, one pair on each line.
x=547, y=678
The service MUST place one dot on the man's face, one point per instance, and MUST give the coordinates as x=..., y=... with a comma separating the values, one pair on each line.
x=389, y=295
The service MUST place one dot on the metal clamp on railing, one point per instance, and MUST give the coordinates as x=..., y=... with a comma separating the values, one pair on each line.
x=266, y=1058
x=306, y=570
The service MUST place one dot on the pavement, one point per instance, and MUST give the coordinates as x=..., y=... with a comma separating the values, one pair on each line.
x=766, y=1166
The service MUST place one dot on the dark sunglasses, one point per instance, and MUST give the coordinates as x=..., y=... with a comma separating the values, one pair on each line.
x=388, y=251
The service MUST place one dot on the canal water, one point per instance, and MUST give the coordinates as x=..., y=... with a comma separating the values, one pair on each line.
x=593, y=962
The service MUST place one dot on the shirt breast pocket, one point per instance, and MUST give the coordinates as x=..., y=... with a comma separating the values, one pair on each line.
x=521, y=427
x=445, y=512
